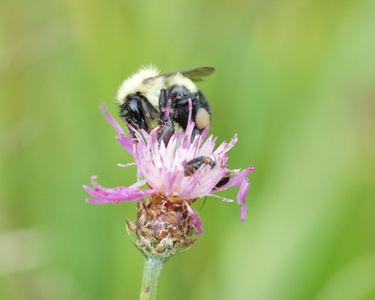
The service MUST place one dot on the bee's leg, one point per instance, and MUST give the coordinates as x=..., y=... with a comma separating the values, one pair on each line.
x=203, y=102
x=132, y=132
x=163, y=101
x=148, y=112
x=200, y=113
x=166, y=132
x=196, y=131
x=181, y=109
x=202, y=119
x=203, y=114
x=184, y=101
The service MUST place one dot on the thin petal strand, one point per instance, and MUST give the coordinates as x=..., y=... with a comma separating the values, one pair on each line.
x=196, y=220
x=241, y=196
x=124, y=141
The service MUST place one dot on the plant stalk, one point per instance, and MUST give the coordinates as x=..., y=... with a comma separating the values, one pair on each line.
x=151, y=276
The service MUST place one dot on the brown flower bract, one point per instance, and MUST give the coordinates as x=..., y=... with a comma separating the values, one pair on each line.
x=163, y=228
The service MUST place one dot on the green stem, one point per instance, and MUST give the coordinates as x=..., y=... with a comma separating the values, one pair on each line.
x=151, y=276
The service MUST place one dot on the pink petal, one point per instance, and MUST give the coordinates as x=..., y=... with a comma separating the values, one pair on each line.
x=126, y=165
x=168, y=108
x=196, y=220
x=222, y=198
x=116, y=195
x=111, y=120
x=236, y=180
x=242, y=193
x=124, y=141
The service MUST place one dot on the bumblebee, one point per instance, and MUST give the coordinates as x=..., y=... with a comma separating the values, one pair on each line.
x=143, y=97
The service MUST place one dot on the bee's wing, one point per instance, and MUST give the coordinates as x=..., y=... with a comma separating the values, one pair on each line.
x=193, y=74
x=197, y=73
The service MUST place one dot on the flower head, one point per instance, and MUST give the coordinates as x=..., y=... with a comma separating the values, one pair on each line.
x=177, y=173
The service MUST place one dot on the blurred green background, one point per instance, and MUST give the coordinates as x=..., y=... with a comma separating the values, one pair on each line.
x=294, y=79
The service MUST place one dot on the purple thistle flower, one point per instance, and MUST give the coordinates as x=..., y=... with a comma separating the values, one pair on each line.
x=162, y=168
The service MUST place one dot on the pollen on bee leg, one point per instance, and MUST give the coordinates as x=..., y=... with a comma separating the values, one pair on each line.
x=202, y=118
